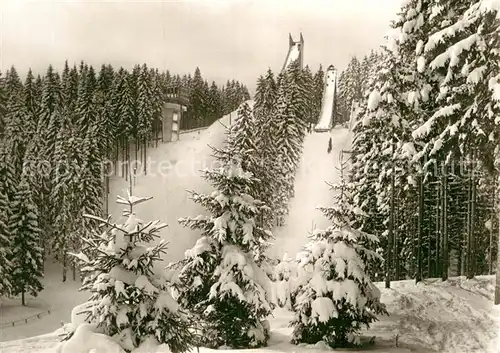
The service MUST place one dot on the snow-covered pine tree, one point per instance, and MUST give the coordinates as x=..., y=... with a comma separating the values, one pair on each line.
x=145, y=109
x=26, y=254
x=265, y=98
x=318, y=86
x=197, y=99
x=308, y=82
x=31, y=105
x=42, y=151
x=334, y=296
x=16, y=137
x=107, y=131
x=65, y=195
x=285, y=275
x=5, y=245
x=214, y=102
x=221, y=282
x=266, y=130
x=86, y=108
x=289, y=123
x=133, y=303
x=243, y=137
x=122, y=104
x=3, y=98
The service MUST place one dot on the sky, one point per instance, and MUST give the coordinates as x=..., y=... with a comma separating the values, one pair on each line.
x=226, y=39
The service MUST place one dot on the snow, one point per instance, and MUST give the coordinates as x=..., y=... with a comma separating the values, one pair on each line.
x=323, y=309
x=447, y=317
x=374, y=100
x=142, y=282
x=476, y=75
x=496, y=91
x=452, y=53
x=421, y=64
x=425, y=128
x=86, y=340
x=165, y=301
x=326, y=114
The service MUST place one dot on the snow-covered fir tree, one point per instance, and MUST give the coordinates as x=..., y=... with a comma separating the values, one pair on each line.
x=5, y=246
x=285, y=275
x=318, y=87
x=265, y=96
x=133, y=304
x=335, y=297
x=289, y=122
x=243, y=137
x=26, y=254
x=221, y=280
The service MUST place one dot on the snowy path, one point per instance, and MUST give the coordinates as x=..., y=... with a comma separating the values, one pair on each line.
x=317, y=167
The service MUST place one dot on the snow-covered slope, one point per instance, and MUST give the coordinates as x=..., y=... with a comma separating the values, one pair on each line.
x=326, y=114
x=317, y=167
x=456, y=316
x=174, y=168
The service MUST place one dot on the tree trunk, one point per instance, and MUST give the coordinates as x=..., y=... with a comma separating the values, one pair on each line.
x=390, y=240
x=117, y=147
x=73, y=269
x=127, y=163
x=23, y=299
x=145, y=154
x=437, y=271
x=397, y=274
x=429, y=246
x=413, y=232
x=472, y=268
x=469, y=227
x=492, y=218
x=65, y=266
x=124, y=158
x=136, y=147
x=497, y=279
x=418, y=276
x=445, y=253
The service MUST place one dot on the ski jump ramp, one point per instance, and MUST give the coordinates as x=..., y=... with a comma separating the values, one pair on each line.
x=328, y=101
x=295, y=51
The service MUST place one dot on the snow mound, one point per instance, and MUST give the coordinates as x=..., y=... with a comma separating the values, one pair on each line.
x=86, y=340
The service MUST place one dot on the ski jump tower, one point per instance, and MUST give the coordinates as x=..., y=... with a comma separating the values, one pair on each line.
x=295, y=51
